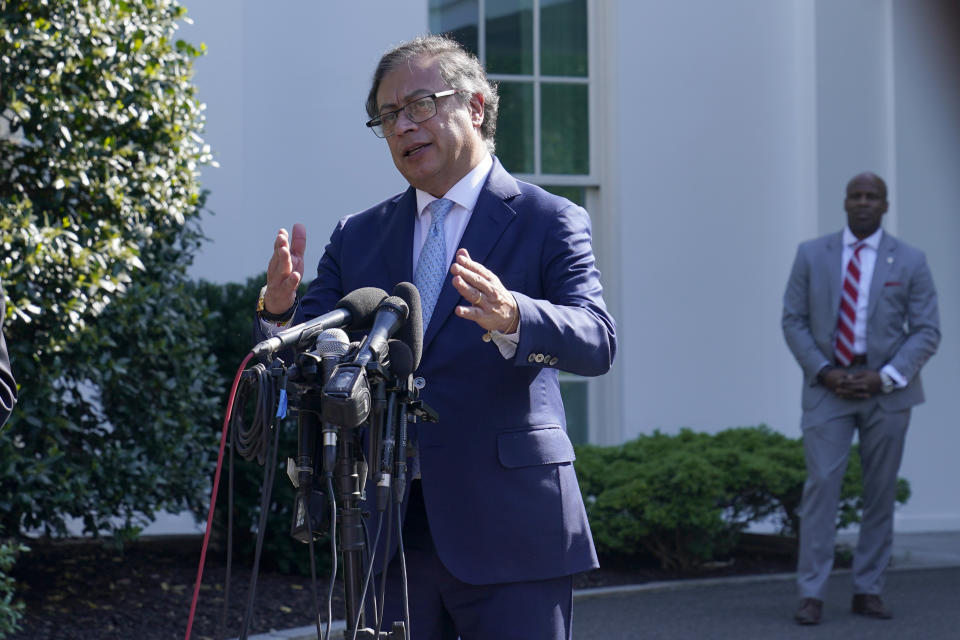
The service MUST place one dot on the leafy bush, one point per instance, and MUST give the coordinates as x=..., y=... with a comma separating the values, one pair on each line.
x=686, y=498
x=100, y=150
x=10, y=610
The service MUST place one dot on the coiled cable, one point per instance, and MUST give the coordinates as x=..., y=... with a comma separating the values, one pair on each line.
x=259, y=385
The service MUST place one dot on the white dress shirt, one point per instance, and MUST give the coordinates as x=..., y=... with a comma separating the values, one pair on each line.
x=464, y=195
x=868, y=260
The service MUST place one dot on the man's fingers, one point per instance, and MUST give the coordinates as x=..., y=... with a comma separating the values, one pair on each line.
x=469, y=280
x=298, y=242
x=469, y=264
x=291, y=282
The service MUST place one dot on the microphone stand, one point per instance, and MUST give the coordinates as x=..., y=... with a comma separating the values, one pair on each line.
x=351, y=473
x=351, y=486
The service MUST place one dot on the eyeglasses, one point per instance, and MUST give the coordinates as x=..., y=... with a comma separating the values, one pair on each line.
x=419, y=110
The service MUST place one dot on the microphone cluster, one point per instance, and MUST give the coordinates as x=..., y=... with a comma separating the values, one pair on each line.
x=341, y=387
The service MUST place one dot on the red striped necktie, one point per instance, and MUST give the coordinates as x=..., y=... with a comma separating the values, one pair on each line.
x=843, y=348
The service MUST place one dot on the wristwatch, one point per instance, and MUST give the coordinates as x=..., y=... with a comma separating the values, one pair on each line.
x=279, y=319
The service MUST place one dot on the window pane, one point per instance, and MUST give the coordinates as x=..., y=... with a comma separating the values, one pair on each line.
x=458, y=19
x=565, y=129
x=509, y=36
x=576, y=195
x=515, y=127
x=563, y=37
x=574, y=394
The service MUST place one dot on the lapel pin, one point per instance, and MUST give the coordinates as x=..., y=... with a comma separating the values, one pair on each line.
x=889, y=259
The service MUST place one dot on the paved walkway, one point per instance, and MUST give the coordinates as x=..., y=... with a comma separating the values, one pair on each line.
x=923, y=590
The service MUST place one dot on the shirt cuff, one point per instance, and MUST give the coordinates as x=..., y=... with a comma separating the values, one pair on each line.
x=899, y=381
x=506, y=342
x=271, y=328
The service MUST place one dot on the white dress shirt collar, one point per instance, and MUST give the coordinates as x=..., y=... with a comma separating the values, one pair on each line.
x=465, y=192
x=872, y=241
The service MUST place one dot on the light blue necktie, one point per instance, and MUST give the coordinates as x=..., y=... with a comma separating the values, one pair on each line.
x=432, y=264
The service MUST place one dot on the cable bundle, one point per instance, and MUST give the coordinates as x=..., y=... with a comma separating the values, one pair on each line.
x=257, y=384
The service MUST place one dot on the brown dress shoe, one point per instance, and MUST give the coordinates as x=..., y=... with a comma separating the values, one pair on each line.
x=809, y=612
x=869, y=604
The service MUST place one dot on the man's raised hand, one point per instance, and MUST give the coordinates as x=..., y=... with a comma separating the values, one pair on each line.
x=285, y=270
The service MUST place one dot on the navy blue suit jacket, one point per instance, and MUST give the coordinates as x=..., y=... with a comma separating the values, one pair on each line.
x=501, y=496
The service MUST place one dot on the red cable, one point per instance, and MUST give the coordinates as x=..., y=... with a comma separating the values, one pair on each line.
x=213, y=498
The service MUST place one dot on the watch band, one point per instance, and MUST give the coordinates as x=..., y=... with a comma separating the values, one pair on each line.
x=278, y=318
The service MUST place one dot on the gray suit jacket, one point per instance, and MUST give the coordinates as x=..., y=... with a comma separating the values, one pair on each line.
x=903, y=324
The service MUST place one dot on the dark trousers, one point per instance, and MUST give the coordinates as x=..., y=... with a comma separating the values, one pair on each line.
x=445, y=608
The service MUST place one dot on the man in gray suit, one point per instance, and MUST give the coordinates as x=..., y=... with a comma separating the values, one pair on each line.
x=860, y=316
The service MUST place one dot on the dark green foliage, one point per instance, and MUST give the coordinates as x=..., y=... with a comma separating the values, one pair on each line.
x=11, y=610
x=686, y=498
x=100, y=150
x=228, y=326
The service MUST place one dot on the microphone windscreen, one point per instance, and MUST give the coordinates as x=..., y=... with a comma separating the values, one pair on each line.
x=397, y=304
x=401, y=358
x=362, y=304
x=412, y=330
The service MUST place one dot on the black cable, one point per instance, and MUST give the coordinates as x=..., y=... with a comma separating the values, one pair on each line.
x=403, y=574
x=366, y=542
x=383, y=576
x=226, y=588
x=366, y=582
x=269, y=473
x=253, y=441
x=313, y=569
x=333, y=553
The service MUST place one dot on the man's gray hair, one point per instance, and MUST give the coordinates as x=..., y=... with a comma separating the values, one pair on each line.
x=458, y=67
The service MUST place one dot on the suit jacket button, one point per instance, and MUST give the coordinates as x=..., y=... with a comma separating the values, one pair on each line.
x=553, y=361
x=531, y=357
x=539, y=357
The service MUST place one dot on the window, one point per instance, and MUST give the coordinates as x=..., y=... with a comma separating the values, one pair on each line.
x=537, y=53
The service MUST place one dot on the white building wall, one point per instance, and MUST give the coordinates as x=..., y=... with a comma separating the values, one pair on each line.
x=926, y=65
x=727, y=133
x=714, y=164
x=285, y=85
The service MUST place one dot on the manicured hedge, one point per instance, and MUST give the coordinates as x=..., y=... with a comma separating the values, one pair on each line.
x=686, y=498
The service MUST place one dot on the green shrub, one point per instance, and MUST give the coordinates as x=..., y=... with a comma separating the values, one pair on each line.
x=100, y=199
x=10, y=610
x=685, y=499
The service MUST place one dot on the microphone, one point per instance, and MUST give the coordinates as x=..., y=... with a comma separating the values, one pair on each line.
x=310, y=518
x=395, y=440
x=353, y=311
x=347, y=400
x=400, y=367
x=411, y=333
x=392, y=312
x=401, y=359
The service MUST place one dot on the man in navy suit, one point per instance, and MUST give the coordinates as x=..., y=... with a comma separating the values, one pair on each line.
x=495, y=525
x=860, y=316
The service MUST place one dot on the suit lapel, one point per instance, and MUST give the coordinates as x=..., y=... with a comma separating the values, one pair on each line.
x=886, y=255
x=396, y=242
x=490, y=218
x=834, y=262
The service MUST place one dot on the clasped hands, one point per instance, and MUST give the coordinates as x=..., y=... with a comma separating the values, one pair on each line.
x=491, y=305
x=853, y=385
